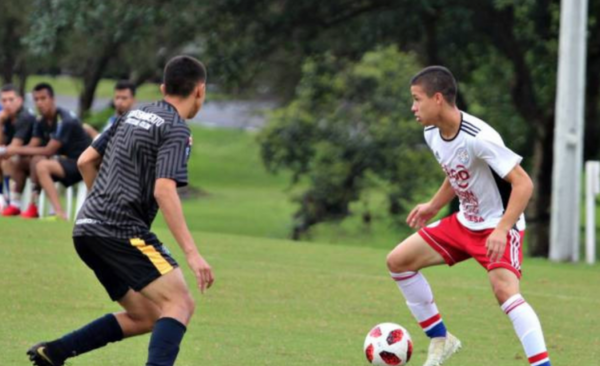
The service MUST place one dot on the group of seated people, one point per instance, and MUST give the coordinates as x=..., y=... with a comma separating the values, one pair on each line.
x=45, y=147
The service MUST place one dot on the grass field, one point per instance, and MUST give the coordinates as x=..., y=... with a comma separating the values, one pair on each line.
x=278, y=302
x=242, y=198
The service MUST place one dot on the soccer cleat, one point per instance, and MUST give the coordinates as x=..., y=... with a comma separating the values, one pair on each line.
x=11, y=210
x=31, y=213
x=441, y=349
x=37, y=355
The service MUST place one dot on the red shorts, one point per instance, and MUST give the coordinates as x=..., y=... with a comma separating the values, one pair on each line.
x=456, y=243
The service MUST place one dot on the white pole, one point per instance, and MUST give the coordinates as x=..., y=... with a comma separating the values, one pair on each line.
x=568, y=132
x=592, y=188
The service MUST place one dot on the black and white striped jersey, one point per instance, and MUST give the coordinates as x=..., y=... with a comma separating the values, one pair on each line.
x=140, y=147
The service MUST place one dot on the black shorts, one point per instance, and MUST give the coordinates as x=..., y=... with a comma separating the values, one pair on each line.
x=123, y=264
x=72, y=174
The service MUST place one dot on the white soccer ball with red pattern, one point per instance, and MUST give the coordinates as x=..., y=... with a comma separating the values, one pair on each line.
x=388, y=344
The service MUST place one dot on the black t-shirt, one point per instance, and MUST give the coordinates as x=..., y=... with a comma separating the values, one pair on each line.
x=65, y=128
x=140, y=147
x=21, y=126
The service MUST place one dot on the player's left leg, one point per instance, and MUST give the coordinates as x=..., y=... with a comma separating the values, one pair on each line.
x=46, y=170
x=504, y=278
x=170, y=293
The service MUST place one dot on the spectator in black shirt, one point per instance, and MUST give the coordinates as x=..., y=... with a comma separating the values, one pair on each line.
x=58, y=140
x=16, y=128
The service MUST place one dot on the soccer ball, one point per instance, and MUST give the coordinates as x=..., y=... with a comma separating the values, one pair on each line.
x=388, y=344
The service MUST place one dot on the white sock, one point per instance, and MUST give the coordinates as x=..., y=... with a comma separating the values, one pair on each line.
x=528, y=329
x=419, y=298
x=15, y=199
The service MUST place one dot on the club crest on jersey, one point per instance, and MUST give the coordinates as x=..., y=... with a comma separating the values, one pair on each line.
x=463, y=155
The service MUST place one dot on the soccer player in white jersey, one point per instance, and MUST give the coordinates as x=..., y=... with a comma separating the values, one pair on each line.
x=493, y=190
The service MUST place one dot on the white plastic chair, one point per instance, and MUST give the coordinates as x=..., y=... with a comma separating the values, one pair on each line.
x=81, y=194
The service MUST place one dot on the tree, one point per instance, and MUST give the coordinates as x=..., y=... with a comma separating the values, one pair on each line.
x=509, y=45
x=350, y=123
x=13, y=26
x=87, y=35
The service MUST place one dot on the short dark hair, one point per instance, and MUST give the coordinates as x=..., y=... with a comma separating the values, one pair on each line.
x=44, y=86
x=437, y=79
x=125, y=84
x=182, y=74
x=10, y=88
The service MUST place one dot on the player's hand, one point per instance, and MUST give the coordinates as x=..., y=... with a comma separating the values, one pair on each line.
x=202, y=271
x=418, y=217
x=8, y=152
x=495, y=244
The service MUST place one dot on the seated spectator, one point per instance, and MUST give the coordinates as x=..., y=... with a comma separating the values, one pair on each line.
x=16, y=127
x=123, y=101
x=58, y=140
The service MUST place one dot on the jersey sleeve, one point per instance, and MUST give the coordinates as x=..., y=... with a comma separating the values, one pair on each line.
x=173, y=153
x=24, y=128
x=499, y=157
x=101, y=142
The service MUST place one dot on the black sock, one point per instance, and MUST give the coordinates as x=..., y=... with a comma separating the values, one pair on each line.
x=96, y=334
x=164, y=344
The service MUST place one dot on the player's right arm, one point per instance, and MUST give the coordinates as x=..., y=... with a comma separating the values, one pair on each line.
x=88, y=165
x=165, y=192
x=89, y=161
x=422, y=213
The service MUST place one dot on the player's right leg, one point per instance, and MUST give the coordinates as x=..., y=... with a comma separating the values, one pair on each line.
x=32, y=210
x=138, y=318
x=18, y=169
x=404, y=263
x=46, y=170
x=170, y=293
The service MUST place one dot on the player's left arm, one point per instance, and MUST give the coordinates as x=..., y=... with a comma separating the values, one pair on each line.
x=50, y=149
x=522, y=189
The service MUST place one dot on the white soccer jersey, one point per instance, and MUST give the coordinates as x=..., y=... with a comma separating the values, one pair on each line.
x=476, y=161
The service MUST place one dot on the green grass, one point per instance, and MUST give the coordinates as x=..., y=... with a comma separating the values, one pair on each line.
x=71, y=86
x=241, y=197
x=67, y=85
x=277, y=302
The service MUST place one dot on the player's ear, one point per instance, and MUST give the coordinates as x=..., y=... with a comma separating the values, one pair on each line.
x=439, y=98
x=162, y=89
x=200, y=90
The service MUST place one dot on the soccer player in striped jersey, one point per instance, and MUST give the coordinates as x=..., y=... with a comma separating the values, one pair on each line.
x=132, y=170
x=493, y=190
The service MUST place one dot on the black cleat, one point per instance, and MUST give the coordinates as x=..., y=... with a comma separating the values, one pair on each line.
x=37, y=354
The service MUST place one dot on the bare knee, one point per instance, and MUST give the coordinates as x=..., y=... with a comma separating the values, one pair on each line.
x=43, y=167
x=504, y=286
x=144, y=321
x=397, y=262
x=189, y=304
x=182, y=307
